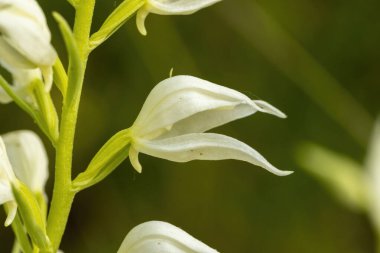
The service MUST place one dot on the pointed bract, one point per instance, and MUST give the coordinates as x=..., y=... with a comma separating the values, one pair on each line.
x=158, y=236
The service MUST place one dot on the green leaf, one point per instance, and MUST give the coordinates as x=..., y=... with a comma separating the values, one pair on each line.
x=115, y=20
x=108, y=158
x=46, y=109
x=32, y=215
x=342, y=176
x=60, y=77
x=75, y=72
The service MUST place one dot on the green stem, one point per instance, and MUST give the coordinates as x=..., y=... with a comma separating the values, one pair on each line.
x=63, y=194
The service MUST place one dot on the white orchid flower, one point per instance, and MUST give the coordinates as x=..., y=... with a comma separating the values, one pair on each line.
x=25, y=40
x=6, y=177
x=158, y=236
x=169, y=7
x=28, y=158
x=178, y=111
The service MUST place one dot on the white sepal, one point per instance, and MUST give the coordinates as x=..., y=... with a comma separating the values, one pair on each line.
x=158, y=236
x=169, y=7
x=205, y=146
x=28, y=157
x=25, y=42
x=6, y=178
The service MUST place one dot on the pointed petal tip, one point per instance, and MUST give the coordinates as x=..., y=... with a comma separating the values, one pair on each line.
x=134, y=158
x=268, y=108
x=140, y=21
x=285, y=173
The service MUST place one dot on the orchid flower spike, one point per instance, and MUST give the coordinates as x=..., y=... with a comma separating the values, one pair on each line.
x=178, y=111
x=169, y=7
x=25, y=43
x=28, y=158
x=7, y=176
x=158, y=236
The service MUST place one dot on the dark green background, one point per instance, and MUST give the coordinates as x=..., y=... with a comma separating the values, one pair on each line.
x=230, y=205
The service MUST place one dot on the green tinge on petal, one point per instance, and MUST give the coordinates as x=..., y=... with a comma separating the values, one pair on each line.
x=140, y=20
x=134, y=158
x=12, y=211
x=205, y=146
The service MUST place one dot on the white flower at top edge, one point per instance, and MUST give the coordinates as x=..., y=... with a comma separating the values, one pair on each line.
x=25, y=40
x=177, y=112
x=169, y=7
x=158, y=236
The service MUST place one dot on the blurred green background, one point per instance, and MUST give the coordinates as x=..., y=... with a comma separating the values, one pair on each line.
x=317, y=60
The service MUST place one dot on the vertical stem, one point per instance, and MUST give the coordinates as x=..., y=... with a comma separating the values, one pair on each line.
x=63, y=194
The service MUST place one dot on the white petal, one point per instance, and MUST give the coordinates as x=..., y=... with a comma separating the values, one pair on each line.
x=28, y=157
x=206, y=120
x=134, y=158
x=161, y=237
x=9, y=56
x=27, y=37
x=141, y=15
x=28, y=8
x=171, y=7
x=205, y=146
x=5, y=192
x=12, y=211
x=186, y=98
x=23, y=27
x=6, y=172
x=178, y=7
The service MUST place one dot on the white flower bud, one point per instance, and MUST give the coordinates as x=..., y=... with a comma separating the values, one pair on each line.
x=25, y=41
x=169, y=7
x=178, y=111
x=6, y=178
x=28, y=158
x=158, y=236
